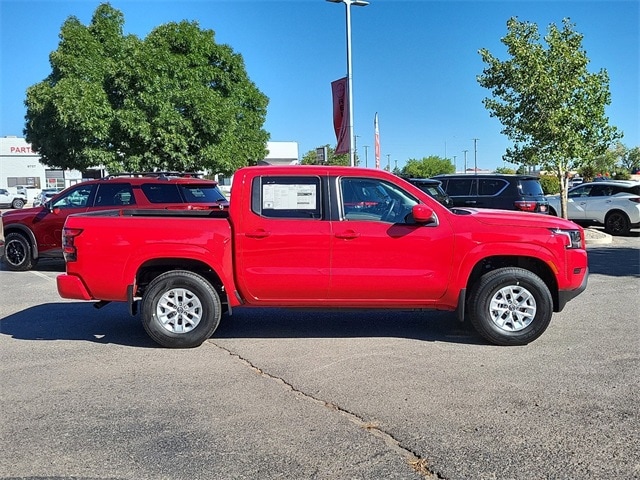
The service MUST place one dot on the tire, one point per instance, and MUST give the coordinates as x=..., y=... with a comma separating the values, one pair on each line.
x=180, y=309
x=552, y=211
x=617, y=223
x=18, y=253
x=17, y=203
x=510, y=306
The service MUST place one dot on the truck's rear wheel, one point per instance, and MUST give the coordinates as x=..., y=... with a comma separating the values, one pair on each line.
x=510, y=306
x=180, y=309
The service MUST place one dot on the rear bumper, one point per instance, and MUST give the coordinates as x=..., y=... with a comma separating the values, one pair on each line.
x=70, y=286
x=565, y=295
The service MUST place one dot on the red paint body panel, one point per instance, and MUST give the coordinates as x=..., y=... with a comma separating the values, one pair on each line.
x=315, y=262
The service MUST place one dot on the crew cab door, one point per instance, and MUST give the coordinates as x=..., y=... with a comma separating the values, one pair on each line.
x=282, y=241
x=379, y=255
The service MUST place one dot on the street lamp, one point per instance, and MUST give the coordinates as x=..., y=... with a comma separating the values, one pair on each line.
x=348, y=3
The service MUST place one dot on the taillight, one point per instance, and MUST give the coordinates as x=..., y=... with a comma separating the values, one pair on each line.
x=526, y=206
x=635, y=199
x=68, y=243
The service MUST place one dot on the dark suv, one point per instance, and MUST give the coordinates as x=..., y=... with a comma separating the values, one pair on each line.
x=34, y=233
x=433, y=188
x=505, y=192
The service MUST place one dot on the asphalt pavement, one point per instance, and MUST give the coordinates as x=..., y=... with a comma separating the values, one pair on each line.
x=285, y=394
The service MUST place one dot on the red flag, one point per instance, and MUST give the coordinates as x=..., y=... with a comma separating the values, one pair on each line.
x=341, y=115
x=376, y=139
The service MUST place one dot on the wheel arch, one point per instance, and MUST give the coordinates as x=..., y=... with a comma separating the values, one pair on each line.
x=534, y=265
x=151, y=269
x=27, y=232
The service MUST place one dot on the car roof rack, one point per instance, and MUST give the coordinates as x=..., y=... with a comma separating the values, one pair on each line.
x=159, y=175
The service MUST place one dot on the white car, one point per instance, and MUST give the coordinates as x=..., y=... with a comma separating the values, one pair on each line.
x=45, y=195
x=612, y=203
x=11, y=200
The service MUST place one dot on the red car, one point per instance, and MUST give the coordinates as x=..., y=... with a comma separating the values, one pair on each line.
x=35, y=233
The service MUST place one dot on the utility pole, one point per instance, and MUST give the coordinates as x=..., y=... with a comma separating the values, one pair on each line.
x=388, y=162
x=475, y=155
x=465, y=160
x=454, y=164
x=366, y=156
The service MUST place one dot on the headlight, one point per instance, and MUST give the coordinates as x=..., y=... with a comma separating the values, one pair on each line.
x=573, y=237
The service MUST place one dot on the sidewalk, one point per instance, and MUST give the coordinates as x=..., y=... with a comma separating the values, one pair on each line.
x=596, y=237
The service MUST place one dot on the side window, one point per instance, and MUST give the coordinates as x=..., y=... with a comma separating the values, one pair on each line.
x=161, y=192
x=580, y=192
x=374, y=200
x=114, y=195
x=459, y=187
x=286, y=197
x=79, y=197
x=490, y=186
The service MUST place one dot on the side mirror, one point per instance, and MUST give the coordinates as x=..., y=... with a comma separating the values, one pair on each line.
x=422, y=213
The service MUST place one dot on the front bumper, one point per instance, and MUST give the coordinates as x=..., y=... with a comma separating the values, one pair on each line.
x=565, y=295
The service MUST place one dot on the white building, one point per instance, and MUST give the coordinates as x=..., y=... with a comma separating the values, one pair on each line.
x=19, y=165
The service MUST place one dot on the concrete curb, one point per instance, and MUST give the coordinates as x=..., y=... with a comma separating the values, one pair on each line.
x=596, y=237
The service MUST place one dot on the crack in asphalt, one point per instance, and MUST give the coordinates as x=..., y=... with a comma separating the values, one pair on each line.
x=416, y=461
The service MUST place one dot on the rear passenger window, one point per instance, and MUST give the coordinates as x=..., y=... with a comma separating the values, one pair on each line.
x=114, y=195
x=161, y=193
x=491, y=186
x=459, y=187
x=286, y=197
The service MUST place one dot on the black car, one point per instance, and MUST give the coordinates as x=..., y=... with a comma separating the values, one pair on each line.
x=501, y=191
x=433, y=188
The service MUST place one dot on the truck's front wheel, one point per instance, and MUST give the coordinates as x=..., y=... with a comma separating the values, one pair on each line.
x=510, y=306
x=180, y=309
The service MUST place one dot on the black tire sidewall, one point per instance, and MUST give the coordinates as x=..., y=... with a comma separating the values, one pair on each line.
x=27, y=263
x=623, y=218
x=207, y=296
x=486, y=289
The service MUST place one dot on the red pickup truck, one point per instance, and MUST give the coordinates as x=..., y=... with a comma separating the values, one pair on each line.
x=315, y=236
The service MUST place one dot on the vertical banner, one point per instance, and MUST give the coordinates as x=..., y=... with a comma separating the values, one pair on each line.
x=376, y=140
x=341, y=115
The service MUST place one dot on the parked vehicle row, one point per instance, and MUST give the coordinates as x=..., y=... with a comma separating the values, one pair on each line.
x=45, y=195
x=505, y=192
x=615, y=204
x=35, y=233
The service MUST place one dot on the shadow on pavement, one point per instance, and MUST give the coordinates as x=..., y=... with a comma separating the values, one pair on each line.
x=113, y=325
x=429, y=326
x=77, y=321
x=614, y=261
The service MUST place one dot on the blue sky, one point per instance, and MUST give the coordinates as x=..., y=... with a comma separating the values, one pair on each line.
x=414, y=62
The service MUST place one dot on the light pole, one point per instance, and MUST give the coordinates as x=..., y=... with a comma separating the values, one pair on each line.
x=475, y=155
x=366, y=156
x=348, y=3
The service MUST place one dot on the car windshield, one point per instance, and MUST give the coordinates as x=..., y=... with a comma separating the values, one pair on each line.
x=531, y=187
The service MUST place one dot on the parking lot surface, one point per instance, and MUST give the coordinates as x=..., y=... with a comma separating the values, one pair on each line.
x=340, y=394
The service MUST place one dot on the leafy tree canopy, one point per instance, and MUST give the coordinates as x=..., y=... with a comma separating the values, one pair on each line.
x=550, y=106
x=310, y=158
x=175, y=100
x=427, y=167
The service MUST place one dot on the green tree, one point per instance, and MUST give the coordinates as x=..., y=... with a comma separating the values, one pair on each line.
x=505, y=170
x=550, y=106
x=309, y=158
x=173, y=101
x=427, y=167
x=632, y=160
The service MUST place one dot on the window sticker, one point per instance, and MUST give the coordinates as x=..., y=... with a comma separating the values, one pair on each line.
x=289, y=197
